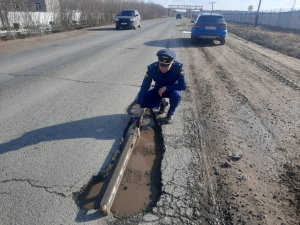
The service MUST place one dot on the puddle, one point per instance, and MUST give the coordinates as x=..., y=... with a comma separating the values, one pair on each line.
x=91, y=195
x=94, y=192
x=134, y=192
x=140, y=187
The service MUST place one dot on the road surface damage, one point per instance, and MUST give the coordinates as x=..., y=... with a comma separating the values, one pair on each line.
x=131, y=183
x=243, y=130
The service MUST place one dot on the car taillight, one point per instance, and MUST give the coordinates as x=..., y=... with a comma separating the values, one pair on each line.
x=199, y=25
x=223, y=26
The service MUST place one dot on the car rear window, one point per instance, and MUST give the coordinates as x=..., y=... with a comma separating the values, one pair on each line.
x=211, y=19
x=127, y=13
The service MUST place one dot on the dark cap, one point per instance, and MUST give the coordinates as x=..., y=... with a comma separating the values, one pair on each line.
x=165, y=57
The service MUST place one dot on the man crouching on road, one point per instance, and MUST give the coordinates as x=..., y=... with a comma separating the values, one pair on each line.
x=169, y=79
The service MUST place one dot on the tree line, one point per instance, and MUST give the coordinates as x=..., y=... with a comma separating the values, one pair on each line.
x=65, y=12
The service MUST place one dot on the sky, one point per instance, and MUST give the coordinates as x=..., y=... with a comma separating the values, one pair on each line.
x=232, y=4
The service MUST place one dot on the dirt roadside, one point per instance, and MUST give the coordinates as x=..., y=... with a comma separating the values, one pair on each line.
x=285, y=41
x=247, y=103
x=247, y=100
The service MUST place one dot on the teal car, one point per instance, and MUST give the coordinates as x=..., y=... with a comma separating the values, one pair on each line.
x=209, y=26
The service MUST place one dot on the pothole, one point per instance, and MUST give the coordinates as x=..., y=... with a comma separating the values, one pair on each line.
x=140, y=187
x=135, y=192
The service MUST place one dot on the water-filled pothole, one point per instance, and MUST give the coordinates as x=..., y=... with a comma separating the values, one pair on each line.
x=140, y=187
x=134, y=192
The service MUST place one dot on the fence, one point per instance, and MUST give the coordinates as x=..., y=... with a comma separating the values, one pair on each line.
x=281, y=19
x=36, y=19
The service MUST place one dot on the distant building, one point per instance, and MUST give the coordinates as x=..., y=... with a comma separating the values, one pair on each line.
x=30, y=5
x=250, y=8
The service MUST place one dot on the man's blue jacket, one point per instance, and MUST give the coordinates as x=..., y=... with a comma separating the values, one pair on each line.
x=174, y=79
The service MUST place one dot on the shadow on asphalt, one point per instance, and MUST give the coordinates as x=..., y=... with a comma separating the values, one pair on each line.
x=108, y=29
x=99, y=128
x=101, y=29
x=87, y=216
x=181, y=42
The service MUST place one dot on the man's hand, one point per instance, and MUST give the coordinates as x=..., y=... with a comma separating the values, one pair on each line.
x=162, y=90
x=137, y=109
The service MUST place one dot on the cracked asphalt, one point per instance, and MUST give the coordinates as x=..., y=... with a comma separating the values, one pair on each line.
x=230, y=157
x=63, y=113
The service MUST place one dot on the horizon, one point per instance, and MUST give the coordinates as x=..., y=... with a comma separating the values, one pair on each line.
x=239, y=5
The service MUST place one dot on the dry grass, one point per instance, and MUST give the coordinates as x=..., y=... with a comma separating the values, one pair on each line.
x=283, y=41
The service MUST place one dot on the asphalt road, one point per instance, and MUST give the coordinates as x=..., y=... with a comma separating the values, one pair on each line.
x=63, y=112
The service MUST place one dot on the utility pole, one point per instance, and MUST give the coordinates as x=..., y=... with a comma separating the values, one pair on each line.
x=294, y=6
x=212, y=6
x=257, y=15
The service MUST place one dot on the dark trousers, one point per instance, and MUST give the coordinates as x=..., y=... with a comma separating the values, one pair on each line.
x=153, y=99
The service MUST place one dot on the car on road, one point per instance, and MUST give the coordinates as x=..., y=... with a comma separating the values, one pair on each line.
x=178, y=16
x=128, y=18
x=209, y=26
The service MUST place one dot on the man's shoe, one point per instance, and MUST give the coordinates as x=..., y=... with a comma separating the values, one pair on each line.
x=169, y=119
x=163, y=106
